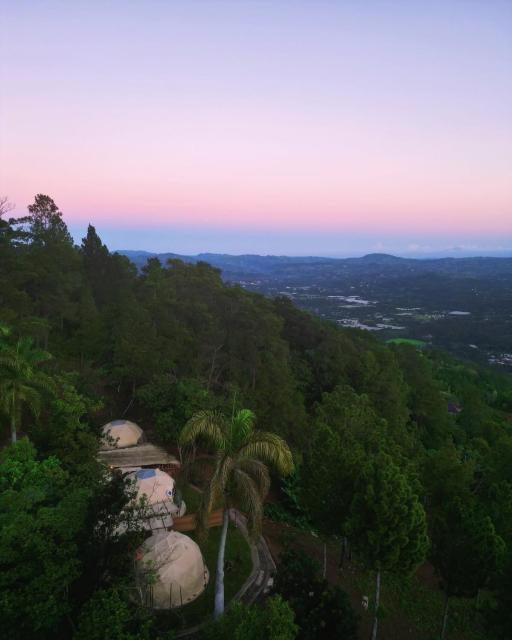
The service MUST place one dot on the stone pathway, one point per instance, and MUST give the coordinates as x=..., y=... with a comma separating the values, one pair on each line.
x=263, y=566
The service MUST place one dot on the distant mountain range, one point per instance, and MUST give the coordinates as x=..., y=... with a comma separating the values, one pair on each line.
x=244, y=263
x=234, y=266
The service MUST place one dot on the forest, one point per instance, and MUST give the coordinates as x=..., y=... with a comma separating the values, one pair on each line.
x=402, y=458
x=459, y=305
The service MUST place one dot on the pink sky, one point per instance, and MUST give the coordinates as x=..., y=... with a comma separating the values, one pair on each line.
x=316, y=116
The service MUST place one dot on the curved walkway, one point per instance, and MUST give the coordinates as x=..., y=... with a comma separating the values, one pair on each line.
x=263, y=565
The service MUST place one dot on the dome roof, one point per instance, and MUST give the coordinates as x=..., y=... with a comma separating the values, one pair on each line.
x=120, y=433
x=179, y=572
x=155, y=484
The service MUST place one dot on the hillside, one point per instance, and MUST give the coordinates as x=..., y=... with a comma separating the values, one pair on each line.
x=463, y=305
x=403, y=454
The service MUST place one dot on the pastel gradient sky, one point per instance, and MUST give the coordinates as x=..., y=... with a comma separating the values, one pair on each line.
x=268, y=126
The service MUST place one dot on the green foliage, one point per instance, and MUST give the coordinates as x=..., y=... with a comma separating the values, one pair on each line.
x=110, y=616
x=41, y=514
x=499, y=612
x=387, y=525
x=297, y=574
x=172, y=403
x=466, y=551
x=62, y=536
x=279, y=513
x=290, y=509
x=426, y=402
x=346, y=429
x=242, y=622
x=65, y=431
x=21, y=381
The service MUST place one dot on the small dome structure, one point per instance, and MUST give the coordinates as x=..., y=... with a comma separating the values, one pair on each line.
x=155, y=484
x=120, y=433
x=176, y=565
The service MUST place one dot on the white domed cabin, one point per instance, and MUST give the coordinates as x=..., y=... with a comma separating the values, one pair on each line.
x=159, y=489
x=119, y=434
x=175, y=567
x=154, y=484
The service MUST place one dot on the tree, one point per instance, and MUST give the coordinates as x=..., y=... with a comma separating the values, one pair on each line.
x=21, y=384
x=446, y=475
x=5, y=206
x=331, y=617
x=345, y=430
x=110, y=616
x=51, y=266
x=88, y=341
x=46, y=223
x=499, y=615
x=240, y=477
x=64, y=536
x=274, y=621
x=97, y=263
x=41, y=512
x=320, y=611
x=63, y=429
x=387, y=525
x=13, y=297
x=466, y=551
x=173, y=402
x=426, y=402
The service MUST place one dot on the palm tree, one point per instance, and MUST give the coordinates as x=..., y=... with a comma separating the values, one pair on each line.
x=240, y=477
x=20, y=381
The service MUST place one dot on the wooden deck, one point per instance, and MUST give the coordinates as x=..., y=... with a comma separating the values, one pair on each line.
x=142, y=455
x=189, y=521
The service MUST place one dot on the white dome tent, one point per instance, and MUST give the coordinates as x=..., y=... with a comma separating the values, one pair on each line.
x=119, y=434
x=177, y=570
x=158, y=488
x=154, y=484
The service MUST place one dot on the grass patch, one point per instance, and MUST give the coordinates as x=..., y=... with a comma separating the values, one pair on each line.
x=420, y=344
x=238, y=566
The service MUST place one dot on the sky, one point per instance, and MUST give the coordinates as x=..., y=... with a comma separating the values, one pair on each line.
x=289, y=127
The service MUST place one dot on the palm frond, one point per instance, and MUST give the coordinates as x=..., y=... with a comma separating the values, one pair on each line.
x=244, y=494
x=258, y=472
x=8, y=360
x=209, y=497
x=44, y=383
x=209, y=425
x=243, y=422
x=222, y=471
x=214, y=490
x=240, y=428
x=30, y=397
x=31, y=354
x=270, y=448
x=5, y=330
